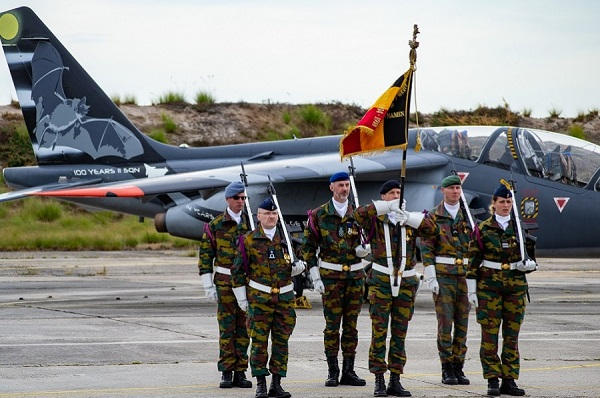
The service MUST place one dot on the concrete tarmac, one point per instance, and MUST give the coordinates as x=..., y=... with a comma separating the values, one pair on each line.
x=136, y=324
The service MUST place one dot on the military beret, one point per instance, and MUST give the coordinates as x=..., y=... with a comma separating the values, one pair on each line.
x=267, y=204
x=388, y=186
x=340, y=176
x=233, y=189
x=451, y=180
x=502, y=192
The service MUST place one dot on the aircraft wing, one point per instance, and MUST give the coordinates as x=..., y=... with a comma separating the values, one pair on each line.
x=288, y=169
x=21, y=193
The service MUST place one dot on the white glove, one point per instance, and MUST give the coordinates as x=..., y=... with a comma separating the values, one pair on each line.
x=363, y=251
x=386, y=206
x=240, y=296
x=209, y=288
x=472, y=292
x=316, y=280
x=527, y=266
x=410, y=218
x=430, y=279
x=298, y=267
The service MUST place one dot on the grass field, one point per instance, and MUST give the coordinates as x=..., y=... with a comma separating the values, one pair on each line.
x=47, y=224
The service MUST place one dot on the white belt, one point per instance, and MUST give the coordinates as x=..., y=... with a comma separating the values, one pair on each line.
x=495, y=265
x=269, y=289
x=387, y=271
x=451, y=260
x=223, y=270
x=340, y=267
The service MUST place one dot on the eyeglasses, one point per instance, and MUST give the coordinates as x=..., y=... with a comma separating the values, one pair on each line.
x=237, y=197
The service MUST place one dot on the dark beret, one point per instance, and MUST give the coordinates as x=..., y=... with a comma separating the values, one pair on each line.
x=502, y=192
x=340, y=176
x=451, y=180
x=268, y=204
x=388, y=186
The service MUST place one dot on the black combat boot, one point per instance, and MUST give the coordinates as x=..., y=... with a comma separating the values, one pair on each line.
x=460, y=376
x=275, y=389
x=493, y=387
x=261, y=387
x=395, y=388
x=333, y=373
x=239, y=380
x=448, y=375
x=379, y=386
x=350, y=378
x=509, y=387
x=226, y=379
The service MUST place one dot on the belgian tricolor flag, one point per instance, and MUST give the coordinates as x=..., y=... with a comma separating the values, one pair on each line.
x=385, y=125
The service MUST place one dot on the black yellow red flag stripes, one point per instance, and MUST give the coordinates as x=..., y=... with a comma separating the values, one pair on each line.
x=385, y=125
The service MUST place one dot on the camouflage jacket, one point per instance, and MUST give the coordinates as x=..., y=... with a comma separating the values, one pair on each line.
x=264, y=261
x=445, y=237
x=218, y=245
x=335, y=239
x=372, y=224
x=492, y=244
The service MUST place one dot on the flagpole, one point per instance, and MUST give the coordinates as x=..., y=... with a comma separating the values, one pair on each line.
x=412, y=56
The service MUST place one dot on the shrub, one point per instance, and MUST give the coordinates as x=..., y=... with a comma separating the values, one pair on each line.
x=170, y=97
x=287, y=118
x=168, y=124
x=576, y=131
x=158, y=135
x=116, y=99
x=312, y=115
x=204, y=98
x=554, y=113
x=526, y=112
x=129, y=100
x=47, y=212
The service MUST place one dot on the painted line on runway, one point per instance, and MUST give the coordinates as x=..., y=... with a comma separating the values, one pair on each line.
x=212, y=341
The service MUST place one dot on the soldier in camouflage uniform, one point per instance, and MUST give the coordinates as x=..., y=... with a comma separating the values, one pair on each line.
x=218, y=248
x=391, y=299
x=337, y=273
x=444, y=254
x=262, y=280
x=497, y=287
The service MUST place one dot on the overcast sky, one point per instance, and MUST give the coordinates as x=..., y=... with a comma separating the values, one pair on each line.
x=539, y=55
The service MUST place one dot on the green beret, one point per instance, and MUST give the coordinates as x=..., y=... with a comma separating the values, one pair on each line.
x=451, y=180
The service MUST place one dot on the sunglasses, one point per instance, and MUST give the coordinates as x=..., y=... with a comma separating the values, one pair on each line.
x=237, y=197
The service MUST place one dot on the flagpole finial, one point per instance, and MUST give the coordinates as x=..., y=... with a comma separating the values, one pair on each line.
x=412, y=56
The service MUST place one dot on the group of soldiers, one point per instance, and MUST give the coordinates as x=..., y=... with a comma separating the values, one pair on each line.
x=464, y=265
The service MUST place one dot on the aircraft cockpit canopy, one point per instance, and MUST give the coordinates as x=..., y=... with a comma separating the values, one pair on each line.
x=556, y=157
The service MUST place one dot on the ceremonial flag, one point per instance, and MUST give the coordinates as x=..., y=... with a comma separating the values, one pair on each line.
x=385, y=125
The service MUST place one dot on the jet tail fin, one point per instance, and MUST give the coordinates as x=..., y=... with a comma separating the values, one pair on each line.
x=69, y=118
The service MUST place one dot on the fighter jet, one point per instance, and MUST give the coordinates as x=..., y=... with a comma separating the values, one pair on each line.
x=89, y=153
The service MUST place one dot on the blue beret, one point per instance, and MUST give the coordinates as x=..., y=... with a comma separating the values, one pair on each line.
x=340, y=176
x=233, y=189
x=388, y=186
x=267, y=204
x=502, y=192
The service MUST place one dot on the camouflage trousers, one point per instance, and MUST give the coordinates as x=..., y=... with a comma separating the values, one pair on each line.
x=383, y=307
x=342, y=302
x=277, y=318
x=501, y=297
x=233, y=336
x=452, y=308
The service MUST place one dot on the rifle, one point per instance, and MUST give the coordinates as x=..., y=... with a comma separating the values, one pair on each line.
x=244, y=178
x=283, y=230
x=464, y=206
x=515, y=219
